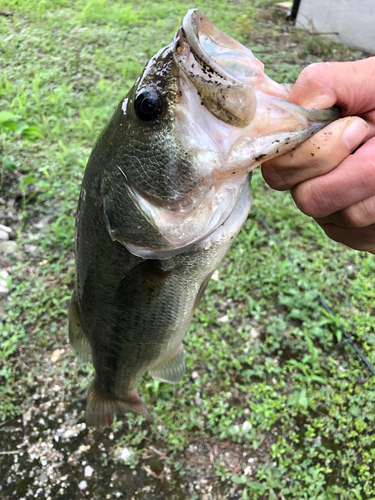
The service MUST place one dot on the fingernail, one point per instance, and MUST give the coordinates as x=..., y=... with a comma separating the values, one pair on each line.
x=317, y=102
x=355, y=133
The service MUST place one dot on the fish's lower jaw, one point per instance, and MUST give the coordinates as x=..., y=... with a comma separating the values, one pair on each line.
x=249, y=152
x=101, y=408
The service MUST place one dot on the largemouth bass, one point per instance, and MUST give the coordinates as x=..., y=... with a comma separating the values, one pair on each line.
x=165, y=192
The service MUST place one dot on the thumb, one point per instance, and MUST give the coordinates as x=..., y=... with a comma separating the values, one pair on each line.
x=349, y=85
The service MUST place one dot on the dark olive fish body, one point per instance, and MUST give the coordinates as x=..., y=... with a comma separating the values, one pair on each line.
x=165, y=192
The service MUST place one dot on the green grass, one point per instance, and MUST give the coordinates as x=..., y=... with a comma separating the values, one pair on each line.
x=278, y=362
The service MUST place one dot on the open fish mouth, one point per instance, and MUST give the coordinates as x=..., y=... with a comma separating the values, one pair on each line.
x=213, y=60
x=231, y=84
x=221, y=69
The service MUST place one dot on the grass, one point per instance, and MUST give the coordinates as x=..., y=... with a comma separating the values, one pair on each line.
x=273, y=379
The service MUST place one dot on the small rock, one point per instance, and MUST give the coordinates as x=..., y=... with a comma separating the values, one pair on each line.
x=30, y=248
x=82, y=485
x=27, y=416
x=5, y=285
x=69, y=433
x=8, y=247
x=88, y=471
x=82, y=448
x=42, y=223
x=42, y=478
x=247, y=471
x=254, y=333
x=223, y=319
x=125, y=453
x=4, y=236
x=56, y=355
x=246, y=426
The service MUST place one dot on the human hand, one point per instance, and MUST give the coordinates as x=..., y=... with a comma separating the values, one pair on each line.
x=330, y=179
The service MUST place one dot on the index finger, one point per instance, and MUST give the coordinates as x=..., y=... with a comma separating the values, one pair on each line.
x=316, y=156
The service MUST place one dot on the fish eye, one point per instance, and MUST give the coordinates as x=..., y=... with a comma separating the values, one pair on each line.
x=148, y=105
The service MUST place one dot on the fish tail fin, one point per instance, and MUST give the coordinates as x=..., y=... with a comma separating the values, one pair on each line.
x=101, y=408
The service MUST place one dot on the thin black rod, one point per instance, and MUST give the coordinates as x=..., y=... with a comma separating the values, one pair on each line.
x=320, y=298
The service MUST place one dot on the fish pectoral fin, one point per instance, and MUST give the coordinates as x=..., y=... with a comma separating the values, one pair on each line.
x=101, y=408
x=143, y=285
x=77, y=336
x=172, y=370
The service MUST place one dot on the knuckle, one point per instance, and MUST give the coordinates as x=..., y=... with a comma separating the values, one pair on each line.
x=361, y=214
x=352, y=217
x=310, y=201
x=274, y=178
x=369, y=207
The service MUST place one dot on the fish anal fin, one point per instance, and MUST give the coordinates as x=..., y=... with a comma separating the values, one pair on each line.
x=101, y=408
x=77, y=336
x=172, y=370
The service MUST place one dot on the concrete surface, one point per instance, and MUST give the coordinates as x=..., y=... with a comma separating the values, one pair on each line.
x=346, y=21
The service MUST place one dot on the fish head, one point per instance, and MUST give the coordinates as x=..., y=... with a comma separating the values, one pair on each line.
x=180, y=146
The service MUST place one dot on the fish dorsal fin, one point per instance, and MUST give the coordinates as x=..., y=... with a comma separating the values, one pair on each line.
x=77, y=336
x=172, y=370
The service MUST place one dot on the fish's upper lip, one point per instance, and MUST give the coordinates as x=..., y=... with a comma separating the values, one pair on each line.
x=193, y=24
